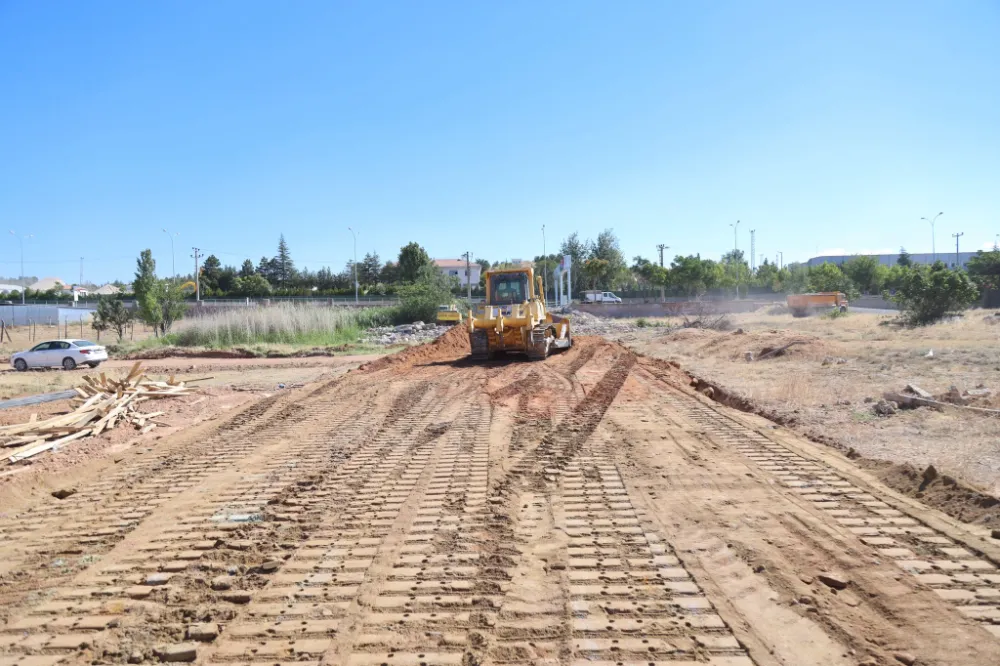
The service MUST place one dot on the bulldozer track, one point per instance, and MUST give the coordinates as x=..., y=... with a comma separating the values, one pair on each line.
x=582, y=510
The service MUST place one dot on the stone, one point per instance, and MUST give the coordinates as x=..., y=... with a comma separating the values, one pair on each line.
x=135, y=658
x=916, y=390
x=63, y=493
x=905, y=658
x=806, y=600
x=160, y=578
x=270, y=565
x=834, y=580
x=748, y=356
x=930, y=474
x=222, y=583
x=237, y=597
x=205, y=632
x=885, y=408
x=995, y=534
x=181, y=652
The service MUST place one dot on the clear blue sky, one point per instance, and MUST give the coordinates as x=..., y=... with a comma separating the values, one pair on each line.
x=469, y=125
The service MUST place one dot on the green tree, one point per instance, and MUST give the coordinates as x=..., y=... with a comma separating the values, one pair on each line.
x=247, y=269
x=412, y=260
x=144, y=287
x=767, y=276
x=867, y=274
x=596, y=272
x=829, y=277
x=930, y=293
x=389, y=273
x=904, y=258
x=579, y=251
x=419, y=299
x=112, y=314
x=171, y=303
x=284, y=267
x=210, y=272
x=693, y=276
x=606, y=248
x=252, y=286
x=369, y=269
x=984, y=269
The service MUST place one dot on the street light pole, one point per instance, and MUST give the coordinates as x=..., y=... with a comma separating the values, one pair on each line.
x=958, y=263
x=932, y=221
x=736, y=245
x=355, y=264
x=545, y=269
x=173, y=263
x=21, y=240
x=661, y=247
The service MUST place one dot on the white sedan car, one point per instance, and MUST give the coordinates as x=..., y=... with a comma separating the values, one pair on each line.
x=60, y=353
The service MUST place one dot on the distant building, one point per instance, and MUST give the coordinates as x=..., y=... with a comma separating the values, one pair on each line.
x=890, y=259
x=7, y=288
x=457, y=268
x=45, y=284
x=107, y=290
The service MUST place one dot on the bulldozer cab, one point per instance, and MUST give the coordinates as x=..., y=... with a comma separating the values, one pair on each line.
x=509, y=288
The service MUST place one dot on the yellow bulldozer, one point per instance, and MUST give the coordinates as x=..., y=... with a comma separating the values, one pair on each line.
x=513, y=318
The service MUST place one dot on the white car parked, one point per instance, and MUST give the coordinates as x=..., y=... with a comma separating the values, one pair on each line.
x=60, y=353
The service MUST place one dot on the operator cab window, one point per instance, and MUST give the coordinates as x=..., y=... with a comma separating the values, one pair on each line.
x=509, y=289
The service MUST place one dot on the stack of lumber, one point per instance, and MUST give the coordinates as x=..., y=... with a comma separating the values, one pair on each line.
x=102, y=404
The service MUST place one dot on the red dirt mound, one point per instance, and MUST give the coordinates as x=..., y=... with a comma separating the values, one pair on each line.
x=451, y=346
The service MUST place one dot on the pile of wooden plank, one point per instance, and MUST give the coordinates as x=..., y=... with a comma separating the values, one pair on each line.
x=102, y=403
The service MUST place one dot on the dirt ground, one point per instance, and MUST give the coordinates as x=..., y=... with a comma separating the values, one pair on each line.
x=825, y=385
x=422, y=510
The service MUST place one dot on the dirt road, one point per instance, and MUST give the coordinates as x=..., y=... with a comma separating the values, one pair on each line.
x=589, y=509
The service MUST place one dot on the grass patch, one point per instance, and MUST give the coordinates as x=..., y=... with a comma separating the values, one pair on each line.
x=262, y=328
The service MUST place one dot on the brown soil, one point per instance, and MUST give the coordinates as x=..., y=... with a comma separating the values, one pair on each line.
x=591, y=507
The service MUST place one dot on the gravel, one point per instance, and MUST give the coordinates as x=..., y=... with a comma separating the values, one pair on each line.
x=404, y=334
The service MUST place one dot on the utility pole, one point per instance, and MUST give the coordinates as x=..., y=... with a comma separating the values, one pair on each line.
x=932, y=221
x=355, y=264
x=661, y=247
x=958, y=264
x=197, y=275
x=753, y=250
x=545, y=269
x=173, y=264
x=21, y=240
x=468, y=273
x=736, y=246
x=781, y=261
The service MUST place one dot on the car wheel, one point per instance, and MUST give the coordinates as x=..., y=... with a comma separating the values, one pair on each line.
x=68, y=363
x=94, y=364
x=20, y=365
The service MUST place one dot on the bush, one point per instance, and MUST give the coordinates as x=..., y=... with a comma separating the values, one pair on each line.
x=642, y=322
x=835, y=314
x=420, y=300
x=928, y=294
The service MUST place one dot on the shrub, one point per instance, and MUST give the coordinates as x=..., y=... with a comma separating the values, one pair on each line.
x=928, y=294
x=419, y=300
x=642, y=322
x=279, y=324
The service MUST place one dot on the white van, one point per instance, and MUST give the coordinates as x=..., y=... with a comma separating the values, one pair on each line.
x=600, y=297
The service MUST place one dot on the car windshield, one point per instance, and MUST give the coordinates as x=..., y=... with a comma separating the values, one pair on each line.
x=510, y=288
x=85, y=343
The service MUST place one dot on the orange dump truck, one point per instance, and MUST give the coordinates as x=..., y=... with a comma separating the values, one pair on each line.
x=802, y=305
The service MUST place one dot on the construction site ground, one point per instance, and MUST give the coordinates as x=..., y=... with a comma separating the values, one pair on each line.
x=421, y=510
x=827, y=384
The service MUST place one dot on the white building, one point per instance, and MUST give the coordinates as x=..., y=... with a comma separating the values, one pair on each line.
x=457, y=268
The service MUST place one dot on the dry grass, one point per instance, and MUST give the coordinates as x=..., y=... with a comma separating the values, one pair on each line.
x=284, y=324
x=829, y=400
